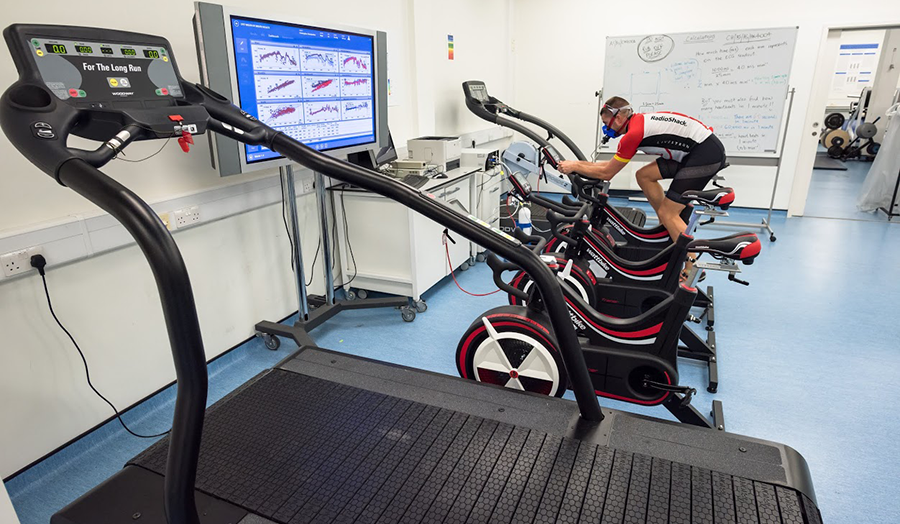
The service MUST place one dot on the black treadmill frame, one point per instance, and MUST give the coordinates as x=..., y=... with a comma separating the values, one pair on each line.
x=28, y=101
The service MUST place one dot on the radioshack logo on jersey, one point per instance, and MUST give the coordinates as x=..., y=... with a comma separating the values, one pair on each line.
x=669, y=119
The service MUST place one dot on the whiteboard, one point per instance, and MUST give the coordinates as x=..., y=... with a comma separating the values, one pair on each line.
x=735, y=82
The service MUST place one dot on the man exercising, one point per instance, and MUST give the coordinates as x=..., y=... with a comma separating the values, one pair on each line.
x=690, y=155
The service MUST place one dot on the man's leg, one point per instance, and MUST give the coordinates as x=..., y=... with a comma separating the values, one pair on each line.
x=670, y=216
x=648, y=178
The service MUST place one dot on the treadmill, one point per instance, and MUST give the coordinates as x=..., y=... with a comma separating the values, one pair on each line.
x=326, y=437
x=493, y=110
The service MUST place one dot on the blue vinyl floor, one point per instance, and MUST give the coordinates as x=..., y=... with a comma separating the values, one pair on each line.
x=833, y=194
x=808, y=354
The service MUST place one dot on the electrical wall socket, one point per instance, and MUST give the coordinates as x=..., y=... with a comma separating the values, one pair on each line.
x=308, y=185
x=187, y=217
x=19, y=261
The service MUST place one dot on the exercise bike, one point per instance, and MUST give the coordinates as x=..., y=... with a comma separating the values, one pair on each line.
x=632, y=289
x=630, y=238
x=633, y=359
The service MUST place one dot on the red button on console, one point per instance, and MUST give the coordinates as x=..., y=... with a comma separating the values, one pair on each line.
x=176, y=118
x=73, y=93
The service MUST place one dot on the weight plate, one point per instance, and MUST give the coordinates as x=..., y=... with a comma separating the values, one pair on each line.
x=834, y=120
x=835, y=151
x=866, y=130
x=872, y=148
x=837, y=134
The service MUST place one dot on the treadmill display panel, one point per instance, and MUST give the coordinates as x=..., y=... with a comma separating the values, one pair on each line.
x=479, y=92
x=98, y=74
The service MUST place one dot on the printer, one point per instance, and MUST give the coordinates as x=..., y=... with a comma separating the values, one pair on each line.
x=443, y=151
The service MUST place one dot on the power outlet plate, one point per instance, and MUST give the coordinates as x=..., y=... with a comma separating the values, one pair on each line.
x=187, y=217
x=308, y=185
x=18, y=262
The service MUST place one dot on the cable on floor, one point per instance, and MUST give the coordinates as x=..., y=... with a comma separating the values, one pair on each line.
x=452, y=274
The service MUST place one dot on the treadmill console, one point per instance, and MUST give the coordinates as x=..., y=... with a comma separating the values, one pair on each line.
x=477, y=95
x=478, y=91
x=106, y=74
x=110, y=86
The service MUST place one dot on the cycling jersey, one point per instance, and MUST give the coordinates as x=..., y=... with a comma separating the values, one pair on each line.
x=670, y=135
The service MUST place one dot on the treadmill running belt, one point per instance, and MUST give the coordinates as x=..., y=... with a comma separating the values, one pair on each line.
x=294, y=448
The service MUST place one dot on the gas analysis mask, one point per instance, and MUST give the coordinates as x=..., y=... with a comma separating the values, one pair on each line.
x=608, y=132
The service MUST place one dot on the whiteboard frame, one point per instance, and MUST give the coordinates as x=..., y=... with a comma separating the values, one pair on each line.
x=782, y=128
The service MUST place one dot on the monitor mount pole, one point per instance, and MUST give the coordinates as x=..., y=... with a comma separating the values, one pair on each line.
x=326, y=242
x=313, y=310
x=289, y=197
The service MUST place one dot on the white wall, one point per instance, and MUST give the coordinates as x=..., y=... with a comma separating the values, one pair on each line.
x=239, y=266
x=559, y=53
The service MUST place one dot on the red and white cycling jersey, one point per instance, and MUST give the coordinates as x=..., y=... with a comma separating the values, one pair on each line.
x=670, y=135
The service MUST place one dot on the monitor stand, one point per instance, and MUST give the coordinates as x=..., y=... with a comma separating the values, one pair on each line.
x=315, y=310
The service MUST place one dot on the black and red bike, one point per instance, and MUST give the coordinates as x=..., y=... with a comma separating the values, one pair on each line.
x=623, y=288
x=622, y=228
x=631, y=359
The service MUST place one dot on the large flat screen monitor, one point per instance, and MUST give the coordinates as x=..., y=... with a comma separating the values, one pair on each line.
x=318, y=83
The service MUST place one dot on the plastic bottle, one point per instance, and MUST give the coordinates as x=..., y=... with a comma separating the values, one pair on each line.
x=523, y=220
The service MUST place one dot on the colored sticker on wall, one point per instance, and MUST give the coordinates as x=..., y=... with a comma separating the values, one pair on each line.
x=449, y=47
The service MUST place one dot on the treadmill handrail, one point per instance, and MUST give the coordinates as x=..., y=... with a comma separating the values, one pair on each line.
x=205, y=109
x=180, y=313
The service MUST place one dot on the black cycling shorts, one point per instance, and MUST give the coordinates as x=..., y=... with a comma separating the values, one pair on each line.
x=695, y=170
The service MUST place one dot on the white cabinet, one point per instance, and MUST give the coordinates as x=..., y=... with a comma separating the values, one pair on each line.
x=486, y=190
x=391, y=248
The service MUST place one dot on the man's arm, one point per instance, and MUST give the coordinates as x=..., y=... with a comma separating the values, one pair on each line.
x=600, y=170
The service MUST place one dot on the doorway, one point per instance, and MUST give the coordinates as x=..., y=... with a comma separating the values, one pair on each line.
x=861, y=86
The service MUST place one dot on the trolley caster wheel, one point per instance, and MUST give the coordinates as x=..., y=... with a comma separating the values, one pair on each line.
x=464, y=266
x=772, y=238
x=362, y=294
x=480, y=257
x=271, y=341
x=408, y=314
x=421, y=306
x=712, y=389
x=351, y=295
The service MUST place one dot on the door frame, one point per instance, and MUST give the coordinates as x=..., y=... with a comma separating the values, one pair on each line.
x=812, y=126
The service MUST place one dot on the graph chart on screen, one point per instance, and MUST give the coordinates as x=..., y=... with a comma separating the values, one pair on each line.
x=275, y=58
x=320, y=87
x=315, y=85
x=277, y=115
x=321, y=112
x=356, y=109
x=277, y=87
x=355, y=63
x=319, y=61
x=356, y=87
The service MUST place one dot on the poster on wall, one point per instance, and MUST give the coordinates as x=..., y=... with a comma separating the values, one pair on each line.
x=854, y=69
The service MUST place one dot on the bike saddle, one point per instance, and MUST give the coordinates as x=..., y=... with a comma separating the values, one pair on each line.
x=718, y=197
x=744, y=247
